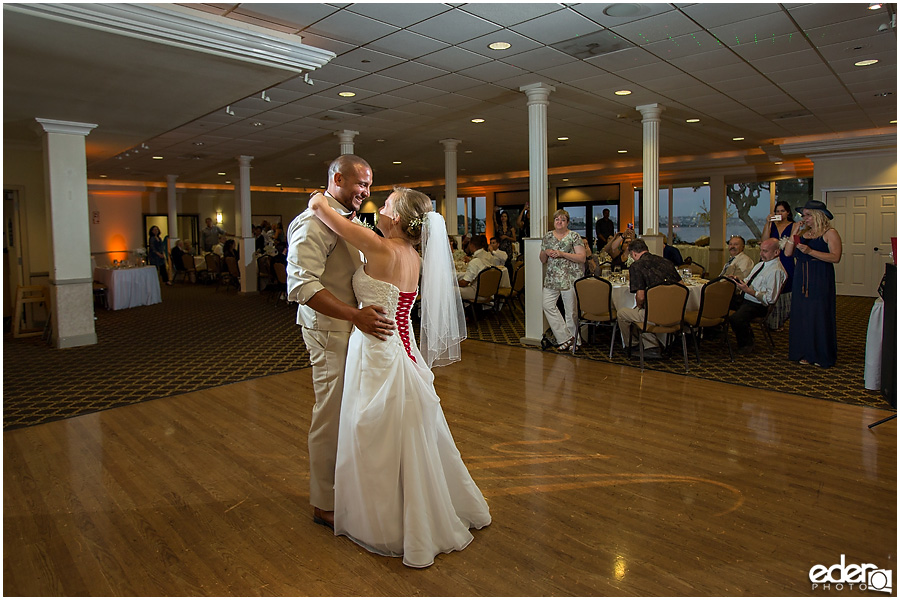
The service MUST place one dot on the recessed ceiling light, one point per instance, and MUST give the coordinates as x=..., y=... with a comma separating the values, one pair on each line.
x=221, y=173
x=778, y=162
x=104, y=176
x=157, y=158
x=623, y=92
x=865, y=63
x=695, y=120
x=875, y=6
x=623, y=151
x=562, y=139
x=478, y=120
x=499, y=45
x=227, y=181
x=257, y=124
x=893, y=121
x=623, y=10
x=198, y=143
x=379, y=140
x=737, y=139
x=468, y=152
x=397, y=162
x=565, y=178
x=705, y=183
x=311, y=154
x=346, y=94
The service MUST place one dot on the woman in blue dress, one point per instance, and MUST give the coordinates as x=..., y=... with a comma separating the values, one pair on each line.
x=782, y=228
x=813, y=333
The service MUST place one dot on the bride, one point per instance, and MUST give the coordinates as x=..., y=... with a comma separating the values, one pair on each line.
x=401, y=488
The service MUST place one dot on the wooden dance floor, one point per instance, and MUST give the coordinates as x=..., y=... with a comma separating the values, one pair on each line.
x=601, y=481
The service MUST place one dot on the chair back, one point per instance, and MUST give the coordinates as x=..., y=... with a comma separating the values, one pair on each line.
x=487, y=284
x=715, y=298
x=280, y=273
x=187, y=262
x=264, y=266
x=232, y=265
x=594, y=298
x=664, y=307
x=213, y=264
x=518, y=281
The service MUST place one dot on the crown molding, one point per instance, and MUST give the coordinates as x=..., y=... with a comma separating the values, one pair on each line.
x=182, y=29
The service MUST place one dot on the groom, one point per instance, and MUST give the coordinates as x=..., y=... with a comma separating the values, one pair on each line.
x=320, y=268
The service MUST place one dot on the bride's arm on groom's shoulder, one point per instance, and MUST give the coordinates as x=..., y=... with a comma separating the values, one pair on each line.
x=359, y=236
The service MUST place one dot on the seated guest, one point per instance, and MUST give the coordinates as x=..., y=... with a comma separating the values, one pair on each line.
x=229, y=249
x=618, y=249
x=757, y=293
x=739, y=264
x=218, y=248
x=498, y=257
x=280, y=253
x=176, y=253
x=646, y=271
x=671, y=253
x=591, y=263
x=260, y=239
x=480, y=261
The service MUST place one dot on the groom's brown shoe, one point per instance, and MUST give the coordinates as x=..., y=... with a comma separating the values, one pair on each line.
x=323, y=517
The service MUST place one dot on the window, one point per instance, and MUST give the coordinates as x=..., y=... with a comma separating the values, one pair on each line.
x=471, y=214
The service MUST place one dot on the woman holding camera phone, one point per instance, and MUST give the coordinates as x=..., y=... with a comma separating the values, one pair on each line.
x=782, y=228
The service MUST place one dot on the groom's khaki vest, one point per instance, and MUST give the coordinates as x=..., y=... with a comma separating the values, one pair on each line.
x=317, y=259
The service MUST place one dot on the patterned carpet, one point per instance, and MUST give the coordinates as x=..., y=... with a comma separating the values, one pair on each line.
x=199, y=338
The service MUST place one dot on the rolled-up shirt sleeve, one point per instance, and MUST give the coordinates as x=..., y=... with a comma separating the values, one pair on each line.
x=309, y=244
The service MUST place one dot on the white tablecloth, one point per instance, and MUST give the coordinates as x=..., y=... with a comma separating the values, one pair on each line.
x=130, y=287
x=872, y=372
x=504, y=277
x=622, y=298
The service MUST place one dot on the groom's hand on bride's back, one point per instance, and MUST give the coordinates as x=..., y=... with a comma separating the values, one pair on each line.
x=373, y=320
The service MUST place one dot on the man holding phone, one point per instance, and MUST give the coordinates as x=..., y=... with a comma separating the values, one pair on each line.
x=757, y=293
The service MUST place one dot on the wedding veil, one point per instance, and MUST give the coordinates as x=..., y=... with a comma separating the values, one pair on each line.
x=443, y=319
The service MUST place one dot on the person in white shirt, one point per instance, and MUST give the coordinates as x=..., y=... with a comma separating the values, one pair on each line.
x=481, y=260
x=498, y=256
x=758, y=292
x=739, y=264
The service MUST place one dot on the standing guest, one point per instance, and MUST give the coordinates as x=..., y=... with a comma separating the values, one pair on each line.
x=818, y=247
x=757, y=293
x=605, y=229
x=646, y=271
x=782, y=228
x=320, y=270
x=739, y=264
x=157, y=254
x=260, y=240
x=278, y=233
x=209, y=235
x=563, y=252
x=523, y=225
x=671, y=253
x=507, y=234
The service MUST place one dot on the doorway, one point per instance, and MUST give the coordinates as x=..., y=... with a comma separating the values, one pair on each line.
x=188, y=228
x=866, y=221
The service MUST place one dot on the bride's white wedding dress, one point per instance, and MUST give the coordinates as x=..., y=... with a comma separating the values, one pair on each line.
x=401, y=488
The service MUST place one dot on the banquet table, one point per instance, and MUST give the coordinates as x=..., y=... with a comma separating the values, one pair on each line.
x=138, y=286
x=504, y=277
x=622, y=298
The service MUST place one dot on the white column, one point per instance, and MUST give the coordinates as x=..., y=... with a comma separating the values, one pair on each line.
x=71, y=279
x=346, y=137
x=718, y=223
x=450, y=194
x=538, y=94
x=242, y=227
x=650, y=204
x=172, y=204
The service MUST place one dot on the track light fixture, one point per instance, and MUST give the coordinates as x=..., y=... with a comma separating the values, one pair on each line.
x=229, y=111
x=307, y=79
x=265, y=97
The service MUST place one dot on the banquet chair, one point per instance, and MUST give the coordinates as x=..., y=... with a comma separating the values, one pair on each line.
x=663, y=313
x=516, y=290
x=214, y=268
x=280, y=270
x=594, y=307
x=715, y=297
x=188, y=270
x=233, y=270
x=265, y=276
x=763, y=321
x=487, y=284
x=101, y=294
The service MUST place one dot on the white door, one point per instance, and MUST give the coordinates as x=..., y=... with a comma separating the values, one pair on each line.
x=866, y=220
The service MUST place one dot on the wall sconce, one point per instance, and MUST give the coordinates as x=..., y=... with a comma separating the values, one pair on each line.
x=219, y=217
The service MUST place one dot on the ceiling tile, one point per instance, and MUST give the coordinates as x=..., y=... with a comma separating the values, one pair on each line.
x=413, y=72
x=453, y=82
x=492, y=71
x=622, y=59
x=597, y=12
x=541, y=58
x=556, y=27
x=454, y=26
x=407, y=44
x=297, y=15
x=710, y=16
x=401, y=14
x=350, y=27
x=336, y=74
x=453, y=59
x=572, y=71
x=518, y=44
x=666, y=26
x=367, y=59
x=508, y=14
x=379, y=83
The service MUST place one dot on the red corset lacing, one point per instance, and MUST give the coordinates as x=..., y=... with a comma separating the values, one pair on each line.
x=403, y=310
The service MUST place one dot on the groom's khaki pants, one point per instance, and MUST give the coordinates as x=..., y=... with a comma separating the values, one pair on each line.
x=328, y=356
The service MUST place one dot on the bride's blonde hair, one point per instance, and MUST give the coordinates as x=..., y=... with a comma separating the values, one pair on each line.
x=411, y=206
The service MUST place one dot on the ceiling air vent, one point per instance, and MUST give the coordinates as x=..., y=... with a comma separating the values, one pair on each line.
x=593, y=44
x=790, y=115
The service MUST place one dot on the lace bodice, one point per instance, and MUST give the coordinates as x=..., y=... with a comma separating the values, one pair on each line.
x=397, y=304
